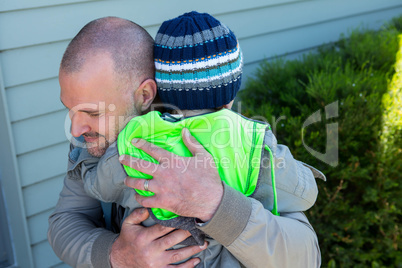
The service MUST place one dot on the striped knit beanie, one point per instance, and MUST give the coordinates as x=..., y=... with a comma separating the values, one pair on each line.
x=198, y=62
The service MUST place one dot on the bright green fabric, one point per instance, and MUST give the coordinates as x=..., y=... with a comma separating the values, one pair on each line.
x=271, y=157
x=235, y=143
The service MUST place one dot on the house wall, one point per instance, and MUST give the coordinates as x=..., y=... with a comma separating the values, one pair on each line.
x=33, y=37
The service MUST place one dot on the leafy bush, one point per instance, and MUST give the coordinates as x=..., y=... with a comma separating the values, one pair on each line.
x=358, y=214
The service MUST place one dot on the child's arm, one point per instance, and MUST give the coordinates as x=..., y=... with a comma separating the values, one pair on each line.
x=295, y=183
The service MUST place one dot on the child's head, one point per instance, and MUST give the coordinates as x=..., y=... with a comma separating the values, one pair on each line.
x=198, y=62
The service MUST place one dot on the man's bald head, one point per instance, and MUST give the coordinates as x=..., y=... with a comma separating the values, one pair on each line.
x=129, y=45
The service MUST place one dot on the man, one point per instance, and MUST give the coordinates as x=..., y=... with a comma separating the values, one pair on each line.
x=106, y=77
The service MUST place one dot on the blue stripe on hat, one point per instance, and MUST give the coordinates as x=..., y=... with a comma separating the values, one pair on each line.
x=212, y=74
x=202, y=99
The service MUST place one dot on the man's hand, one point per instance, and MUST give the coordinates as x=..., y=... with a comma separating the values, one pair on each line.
x=187, y=186
x=139, y=246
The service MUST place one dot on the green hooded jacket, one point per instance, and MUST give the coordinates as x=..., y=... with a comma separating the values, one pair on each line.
x=235, y=142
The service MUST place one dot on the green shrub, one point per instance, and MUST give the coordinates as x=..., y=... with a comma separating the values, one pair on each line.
x=358, y=214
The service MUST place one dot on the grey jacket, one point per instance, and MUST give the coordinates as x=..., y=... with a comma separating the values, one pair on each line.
x=285, y=241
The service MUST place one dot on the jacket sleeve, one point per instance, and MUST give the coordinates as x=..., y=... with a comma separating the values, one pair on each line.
x=257, y=238
x=76, y=231
x=295, y=181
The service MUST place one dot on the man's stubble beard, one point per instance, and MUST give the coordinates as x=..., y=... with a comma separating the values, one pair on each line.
x=98, y=149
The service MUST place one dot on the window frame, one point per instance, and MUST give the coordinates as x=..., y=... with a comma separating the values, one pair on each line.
x=12, y=190
x=6, y=251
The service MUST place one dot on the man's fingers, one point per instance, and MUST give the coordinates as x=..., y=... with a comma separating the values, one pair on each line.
x=187, y=264
x=156, y=231
x=177, y=255
x=172, y=239
x=139, y=164
x=148, y=201
x=139, y=184
x=191, y=143
x=153, y=150
x=137, y=216
x=153, y=232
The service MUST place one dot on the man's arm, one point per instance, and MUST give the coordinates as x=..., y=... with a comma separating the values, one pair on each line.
x=257, y=238
x=78, y=236
x=74, y=232
x=251, y=233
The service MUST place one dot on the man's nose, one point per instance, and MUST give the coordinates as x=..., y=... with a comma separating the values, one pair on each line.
x=79, y=124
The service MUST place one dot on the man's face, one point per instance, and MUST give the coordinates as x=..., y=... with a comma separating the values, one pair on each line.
x=98, y=108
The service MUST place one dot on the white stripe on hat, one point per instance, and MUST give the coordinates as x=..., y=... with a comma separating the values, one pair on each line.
x=201, y=64
x=201, y=80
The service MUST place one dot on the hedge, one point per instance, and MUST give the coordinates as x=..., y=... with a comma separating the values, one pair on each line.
x=357, y=216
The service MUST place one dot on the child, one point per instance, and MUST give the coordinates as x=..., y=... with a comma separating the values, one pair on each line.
x=198, y=70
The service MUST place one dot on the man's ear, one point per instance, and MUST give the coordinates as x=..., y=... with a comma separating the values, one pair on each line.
x=145, y=94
